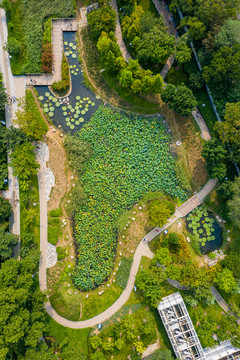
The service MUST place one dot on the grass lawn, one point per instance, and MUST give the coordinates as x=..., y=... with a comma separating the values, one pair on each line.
x=74, y=305
x=77, y=337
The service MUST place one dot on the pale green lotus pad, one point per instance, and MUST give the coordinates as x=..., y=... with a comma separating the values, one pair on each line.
x=72, y=119
x=83, y=112
x=69, y=106
x=57, y=104
x=81, y=119
x=67, y=119
x=67, y=53
x=51, y=108
x=51, y=114
x=50, y=97
x=74, y=56
x=78, y=97
x=77, y=122
x=65, y=43
x=47, y=94
x=74, y=47
x=97, y=96
x=54, y=99
x=93, y=104
x=78, y=112
x=45, y=105
x=70, y=44
x=72, y=126
x=72, y=110
x=41, y=98
x=46, y=110
x=65, y=113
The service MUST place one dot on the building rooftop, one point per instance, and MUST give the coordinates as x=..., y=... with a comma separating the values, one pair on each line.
x=179, y=327
x=225, y=351
x=183, y=336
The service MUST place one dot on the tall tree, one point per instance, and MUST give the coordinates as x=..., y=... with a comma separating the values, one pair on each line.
x=5, y=209
x=21, y=307
x=155, y=47
x=7, y=243
x=234, y=203
x=103, y=19
x=215, y=154
x=30, y=119
x=180, y=99
x=229, y=34
x=24, y=164
x=226, y=281
x=229, y=129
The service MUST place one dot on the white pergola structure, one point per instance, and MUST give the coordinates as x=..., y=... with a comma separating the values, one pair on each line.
x=182, y=334
x=179, y=327
x=225, y=351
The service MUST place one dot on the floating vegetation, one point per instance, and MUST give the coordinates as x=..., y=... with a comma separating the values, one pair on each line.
x=201, y=223
x=114, y=167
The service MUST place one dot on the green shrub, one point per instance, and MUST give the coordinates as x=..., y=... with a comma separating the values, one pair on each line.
x=61, y=251
x=160, y=211
x=54, y=213
x=53, y=233
x=61, y=87
x=212, y=255
x=123, y=272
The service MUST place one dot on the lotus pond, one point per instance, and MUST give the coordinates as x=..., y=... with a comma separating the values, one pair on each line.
x=71, y=111
x=130, y=158
x=202, y=224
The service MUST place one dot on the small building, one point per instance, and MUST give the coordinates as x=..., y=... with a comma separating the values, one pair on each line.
x=183, y=336
x=179, y=327
x=225, y=351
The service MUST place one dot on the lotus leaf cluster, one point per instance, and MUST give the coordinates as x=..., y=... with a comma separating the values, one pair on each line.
x=130, y=158
x=201, y=223
x=73, y=114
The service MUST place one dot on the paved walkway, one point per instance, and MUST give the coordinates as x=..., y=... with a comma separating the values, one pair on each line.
x=15, y=86
x=166, y=15
x=118, y=34
x=58, y=26
x=43, y=228
x=205, y=133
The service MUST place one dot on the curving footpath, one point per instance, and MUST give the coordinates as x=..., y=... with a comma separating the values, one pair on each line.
x=142, y=250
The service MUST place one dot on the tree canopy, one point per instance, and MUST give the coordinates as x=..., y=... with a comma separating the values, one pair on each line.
x=30, y=119
x=155, y=47
x=180, y=99
x=21, y=308
x=5, y=209
x=24, y=163
x=102, y=19
x=215, y=153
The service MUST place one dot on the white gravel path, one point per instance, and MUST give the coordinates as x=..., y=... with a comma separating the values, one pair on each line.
x=43, y=155
x=51, y=255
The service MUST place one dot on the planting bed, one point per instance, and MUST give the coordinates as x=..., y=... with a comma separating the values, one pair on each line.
x=73, y=110
x=130, y=158
x=202, y=224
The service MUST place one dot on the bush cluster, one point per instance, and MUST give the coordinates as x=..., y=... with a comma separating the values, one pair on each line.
x=61, y=87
